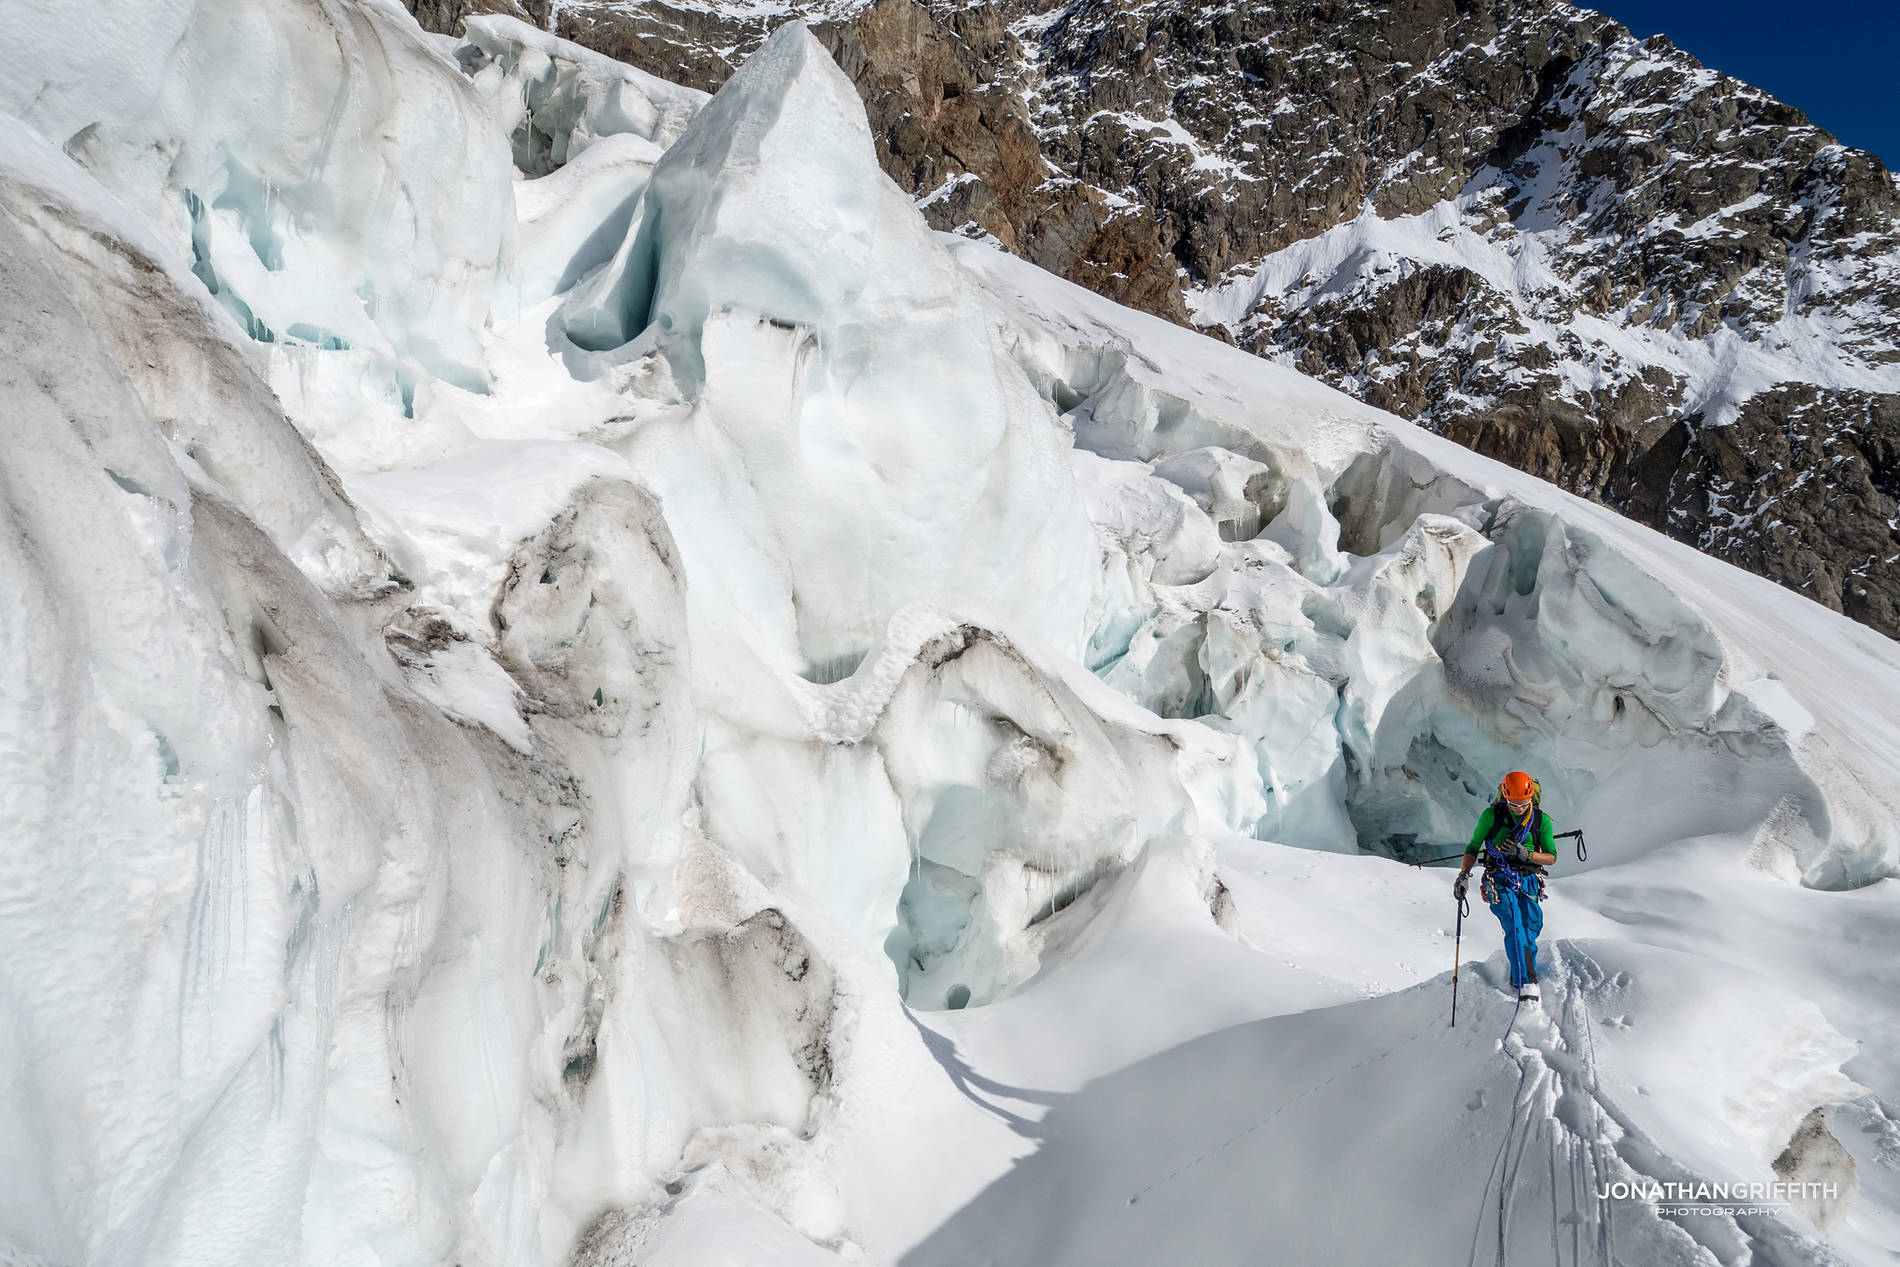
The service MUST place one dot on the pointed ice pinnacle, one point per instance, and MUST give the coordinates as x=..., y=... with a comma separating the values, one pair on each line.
x=779, y=169
x=832, y=343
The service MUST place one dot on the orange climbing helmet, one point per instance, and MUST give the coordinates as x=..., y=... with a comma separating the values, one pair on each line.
x=1518, y=786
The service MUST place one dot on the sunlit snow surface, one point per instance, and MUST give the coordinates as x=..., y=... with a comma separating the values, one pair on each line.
x=579, y=686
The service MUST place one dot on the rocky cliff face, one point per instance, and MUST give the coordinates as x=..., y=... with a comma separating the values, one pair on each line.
x=1506, y=219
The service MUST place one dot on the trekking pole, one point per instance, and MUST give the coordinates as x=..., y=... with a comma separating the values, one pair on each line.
x=1456, y=941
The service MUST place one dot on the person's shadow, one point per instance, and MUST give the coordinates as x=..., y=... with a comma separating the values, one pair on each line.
x=979, y=1090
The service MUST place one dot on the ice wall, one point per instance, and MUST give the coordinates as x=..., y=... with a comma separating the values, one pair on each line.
x=328, y=175
x=1406, y=621
x=302, y=969
x=266, y=900
x=852, y=439
x=457, y=836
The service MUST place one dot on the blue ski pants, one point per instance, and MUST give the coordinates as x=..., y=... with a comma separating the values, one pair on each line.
x=1523, y=918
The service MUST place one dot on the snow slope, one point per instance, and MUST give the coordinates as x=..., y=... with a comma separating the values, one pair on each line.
x=583, y=688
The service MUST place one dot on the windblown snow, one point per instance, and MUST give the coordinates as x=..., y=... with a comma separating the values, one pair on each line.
x=579, y=686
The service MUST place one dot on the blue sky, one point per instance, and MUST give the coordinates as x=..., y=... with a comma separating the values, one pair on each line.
x=1835, y=59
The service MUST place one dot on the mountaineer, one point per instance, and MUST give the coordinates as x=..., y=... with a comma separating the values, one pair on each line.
x=1514, y=841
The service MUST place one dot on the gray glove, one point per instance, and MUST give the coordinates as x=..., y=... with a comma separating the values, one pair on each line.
x=1459, y=885
x=1517, y=853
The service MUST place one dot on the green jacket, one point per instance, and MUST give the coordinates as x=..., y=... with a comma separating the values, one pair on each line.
x=1541, y=838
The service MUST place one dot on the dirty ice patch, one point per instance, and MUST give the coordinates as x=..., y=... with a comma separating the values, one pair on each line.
x=452, y=526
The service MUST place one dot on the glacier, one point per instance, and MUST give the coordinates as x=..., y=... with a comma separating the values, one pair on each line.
x=582, y=687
